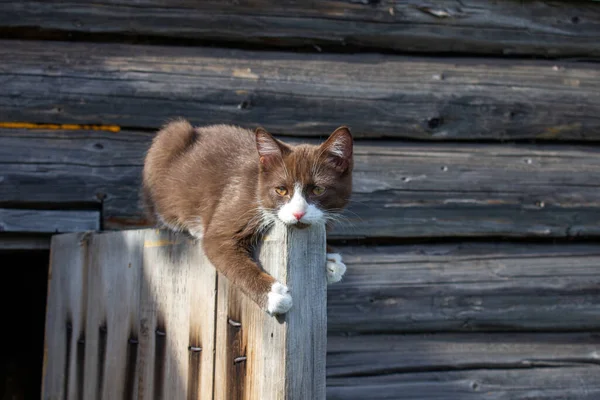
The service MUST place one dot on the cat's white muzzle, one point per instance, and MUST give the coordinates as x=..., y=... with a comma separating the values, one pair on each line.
x=298, y=206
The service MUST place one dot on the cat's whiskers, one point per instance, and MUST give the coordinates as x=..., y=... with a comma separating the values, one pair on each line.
x=341, y=211
x=337, y=217
x=264, y=220
x=255, y=210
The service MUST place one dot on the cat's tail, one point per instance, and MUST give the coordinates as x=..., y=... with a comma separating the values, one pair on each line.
x=172, y=141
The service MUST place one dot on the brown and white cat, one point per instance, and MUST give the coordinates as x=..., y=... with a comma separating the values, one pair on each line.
x=229, y=184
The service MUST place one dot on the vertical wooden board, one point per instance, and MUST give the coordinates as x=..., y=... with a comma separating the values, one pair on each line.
x=306, y=346
x=284, y=356
x=112, y=348
x=65, y=318
x=177, y=319
x=230, y=342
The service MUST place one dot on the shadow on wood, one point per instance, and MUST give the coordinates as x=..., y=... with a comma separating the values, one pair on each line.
x=142, y=313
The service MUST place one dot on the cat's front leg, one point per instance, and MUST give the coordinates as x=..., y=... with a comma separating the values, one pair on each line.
x=335, y=267
x=233, y=260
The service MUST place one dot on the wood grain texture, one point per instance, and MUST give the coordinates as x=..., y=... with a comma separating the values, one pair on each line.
x=370, y=355
x=263, y=357
x=115, y=273
x=567, y=383
x=512, y=27
x=466, y=287
x=178, y=319
x=48, y=221
x=400, y=189
x=133, y=313
x=64, y=345
x=299, y=94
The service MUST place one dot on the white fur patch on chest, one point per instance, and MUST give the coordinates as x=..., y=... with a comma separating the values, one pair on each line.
x=299, y=210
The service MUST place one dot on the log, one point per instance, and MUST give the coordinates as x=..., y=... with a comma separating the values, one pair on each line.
x=466, y=287
x=567, y=383
x=401, y=190
x=299, y=94
x=372, y=355
x=48, y=221
x=509, y=27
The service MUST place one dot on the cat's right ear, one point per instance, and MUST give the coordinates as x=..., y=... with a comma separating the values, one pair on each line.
x=269, y=149
x=339, y=148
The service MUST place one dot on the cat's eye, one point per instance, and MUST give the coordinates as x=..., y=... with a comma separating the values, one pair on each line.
x=282, y=191
x=318, y=190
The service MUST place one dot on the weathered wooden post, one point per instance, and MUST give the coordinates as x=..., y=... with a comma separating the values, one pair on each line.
x=143, y=314
x=261, y=357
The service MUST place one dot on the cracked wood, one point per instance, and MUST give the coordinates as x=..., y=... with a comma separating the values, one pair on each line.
x=299, y=94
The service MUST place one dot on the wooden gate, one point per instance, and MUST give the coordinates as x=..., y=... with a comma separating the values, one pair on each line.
x=143, y=314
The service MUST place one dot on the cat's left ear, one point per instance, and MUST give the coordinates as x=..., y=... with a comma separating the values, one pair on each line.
x=339, y=148
x=269, y=149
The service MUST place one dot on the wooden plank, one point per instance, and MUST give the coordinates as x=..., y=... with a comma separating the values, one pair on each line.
x=400, y=189
x=369, y=355
x=251, y=345
x=112, y=330
x=48, y=221
x=145, y=328
x=18, y=242
x=512, y=27
x=65, y=336
x=178, y=300
x=466, y=287
x=299, y=94
x=568, y=383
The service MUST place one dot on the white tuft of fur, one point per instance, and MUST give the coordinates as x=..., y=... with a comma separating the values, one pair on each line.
x=279, y=299
x=196, y=228
x=298, y=204
x=337, y=148
x=335, y=267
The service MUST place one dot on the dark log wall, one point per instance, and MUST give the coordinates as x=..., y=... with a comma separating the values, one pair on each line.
x=507, y=27
x=473, y=238
x=300, y=94
x=401, y=190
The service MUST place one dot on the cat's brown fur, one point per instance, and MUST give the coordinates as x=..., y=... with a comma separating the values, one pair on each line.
x=211, y=181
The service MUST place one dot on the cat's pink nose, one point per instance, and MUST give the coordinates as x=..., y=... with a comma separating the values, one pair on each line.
x=299, y=215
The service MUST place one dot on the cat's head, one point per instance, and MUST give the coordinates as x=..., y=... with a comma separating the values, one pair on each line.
x=305, y=184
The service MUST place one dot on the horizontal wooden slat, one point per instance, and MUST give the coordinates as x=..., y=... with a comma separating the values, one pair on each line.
x=568, y=383
x=475, y=26
x=48, y=221
x=299, y=94
x=368, y=355
x=400, y=190
x=11, y=241
x=464, y=366
x=467, y=287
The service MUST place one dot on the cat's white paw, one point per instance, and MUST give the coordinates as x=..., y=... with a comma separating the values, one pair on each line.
x=335, y=267
x=279, y=299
